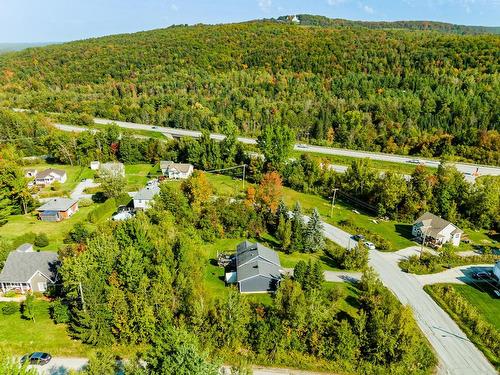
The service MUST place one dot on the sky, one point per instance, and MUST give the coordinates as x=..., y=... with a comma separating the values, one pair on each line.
x=65, y=20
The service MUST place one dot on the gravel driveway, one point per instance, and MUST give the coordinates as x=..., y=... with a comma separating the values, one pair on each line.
x=78, y=194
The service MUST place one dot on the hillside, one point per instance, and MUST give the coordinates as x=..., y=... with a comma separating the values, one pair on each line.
x=312, y=20
x=400, y=91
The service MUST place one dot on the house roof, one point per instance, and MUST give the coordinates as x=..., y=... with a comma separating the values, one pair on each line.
x=258, y=268
x=248, y=251
x=435, y=224
x=25, y=247
x=50, y=171
x=21, y=266
x=147, y=193
x=112, y=165
x=58, y=204
x=180, y=167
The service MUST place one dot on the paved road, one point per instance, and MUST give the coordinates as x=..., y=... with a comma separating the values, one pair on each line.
x=61, y=366
x=466, y=168
x=78, y=193
x=457, y=275
x=457, y=355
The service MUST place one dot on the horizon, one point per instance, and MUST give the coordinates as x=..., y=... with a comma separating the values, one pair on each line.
x=55, y=21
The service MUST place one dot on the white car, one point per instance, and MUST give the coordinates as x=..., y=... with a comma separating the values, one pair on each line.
x=302, y=145
x=369, y=245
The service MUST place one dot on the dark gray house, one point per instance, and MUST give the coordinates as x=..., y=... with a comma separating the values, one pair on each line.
x=258, y=268
x=26, y=270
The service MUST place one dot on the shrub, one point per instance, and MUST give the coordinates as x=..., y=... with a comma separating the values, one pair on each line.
x=106, y=209
x=9, y=308
x=10, y=294
x=41, y=240
x=78, y=234
x=85, y=202
x=354, y=259
x=59, y=312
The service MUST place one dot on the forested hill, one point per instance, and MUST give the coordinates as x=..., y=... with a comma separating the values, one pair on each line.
x=313, y=20
x=384, y=90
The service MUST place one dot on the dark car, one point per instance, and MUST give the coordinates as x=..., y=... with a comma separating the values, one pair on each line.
x=481, y=275
x=37, y=358
x=358, y=237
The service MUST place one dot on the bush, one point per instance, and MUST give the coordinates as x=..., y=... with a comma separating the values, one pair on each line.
x=428, y=263
x=59, y=312
x=10, y=294
x=99, y=213
x=354, y=259
x=78, y=234
x=9, y=308
x=41, y=240
x=85, y=202
x=380, y=242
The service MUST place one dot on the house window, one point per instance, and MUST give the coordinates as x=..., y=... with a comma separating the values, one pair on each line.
x=42, y=287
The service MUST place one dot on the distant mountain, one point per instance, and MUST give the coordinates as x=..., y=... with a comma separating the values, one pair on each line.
x=311, y=20
x=11, y=47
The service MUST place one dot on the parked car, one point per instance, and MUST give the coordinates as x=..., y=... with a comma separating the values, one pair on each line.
x=37, y=358
x=483, y=275
x=369, y=245
x=358, y=237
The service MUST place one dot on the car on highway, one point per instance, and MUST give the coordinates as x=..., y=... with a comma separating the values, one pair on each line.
x=154, y=127
x=415, y=161
x=358, y=237
x=36, y=358
x=482, y=275
x=369, y=245
x=302, y=145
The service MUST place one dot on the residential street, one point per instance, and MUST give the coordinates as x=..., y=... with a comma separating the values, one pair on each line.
x=457, y=355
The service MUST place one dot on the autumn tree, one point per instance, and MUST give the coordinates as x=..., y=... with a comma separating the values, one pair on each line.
x=197, y=189
x=269, y=192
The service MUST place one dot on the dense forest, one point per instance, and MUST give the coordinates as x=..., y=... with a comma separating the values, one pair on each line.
x=408, y=92
x=312, y=20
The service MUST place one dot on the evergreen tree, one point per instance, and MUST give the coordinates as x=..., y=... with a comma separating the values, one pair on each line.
x=297, y=220
x=314, y=239
x=299, y=272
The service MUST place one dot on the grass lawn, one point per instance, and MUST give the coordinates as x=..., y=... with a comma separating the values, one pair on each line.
x=19, y=336
x=19, y=225
x=483, y=300
x=392, y=231
x=137, y=175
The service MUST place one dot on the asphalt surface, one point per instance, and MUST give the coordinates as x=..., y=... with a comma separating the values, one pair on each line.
x=457, y=275
x=467, y=169
x=457, y=355
x=78, y=192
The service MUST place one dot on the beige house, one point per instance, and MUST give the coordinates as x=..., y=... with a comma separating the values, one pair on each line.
x=28, y=270
x=436, y=230
x=176, y=170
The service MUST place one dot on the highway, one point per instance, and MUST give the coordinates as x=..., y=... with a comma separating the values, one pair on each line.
x=467, y=169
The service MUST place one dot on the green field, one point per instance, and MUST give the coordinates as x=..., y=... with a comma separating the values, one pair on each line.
x=19, y=336
x=390, y=230
x=20, y=225
x=137, y=175
x=483, y=300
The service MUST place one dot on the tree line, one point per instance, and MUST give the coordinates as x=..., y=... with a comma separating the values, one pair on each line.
x=395, y=91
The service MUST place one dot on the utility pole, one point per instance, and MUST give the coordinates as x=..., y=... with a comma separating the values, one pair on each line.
x=333, y=201
x=81, y=295
x=244, y=167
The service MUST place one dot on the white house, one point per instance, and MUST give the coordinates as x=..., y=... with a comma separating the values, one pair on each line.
x=436, y=230
x=51, y=175
x=144, y=197
x=94, y=165
x=30, y=173
x=176, y=170
x=113, y=168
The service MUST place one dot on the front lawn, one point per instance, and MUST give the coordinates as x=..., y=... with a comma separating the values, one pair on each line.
x=482, y=297
x=19, y=336
x=137, y=175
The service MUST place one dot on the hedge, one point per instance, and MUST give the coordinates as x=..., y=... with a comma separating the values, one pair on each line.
x=100, y=212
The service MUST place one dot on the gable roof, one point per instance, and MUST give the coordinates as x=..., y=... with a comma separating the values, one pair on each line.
x=21, y=266
x=58, y=204
x=179, y=167
x=248, y=251
x=435, y=224
x=50, y=171
x=147, y=193
x=258, y=268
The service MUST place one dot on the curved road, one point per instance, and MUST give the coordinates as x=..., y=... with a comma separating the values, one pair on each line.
x=457, y=355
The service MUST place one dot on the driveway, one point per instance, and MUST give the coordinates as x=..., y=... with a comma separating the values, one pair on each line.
x=335, y=276
x=457, y=275
x=77, y=192
x=61, y=366
x=457, y=355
